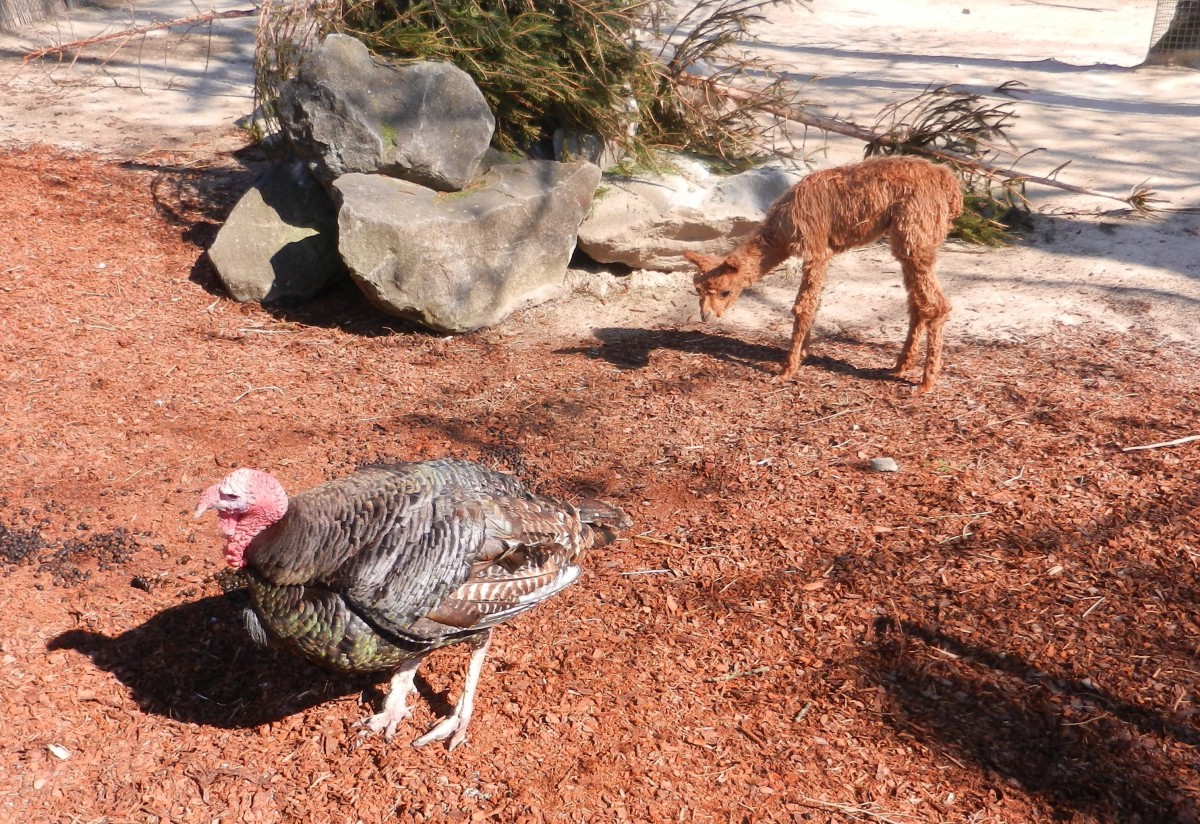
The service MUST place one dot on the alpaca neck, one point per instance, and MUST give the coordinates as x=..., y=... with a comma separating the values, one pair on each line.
x=757, y=257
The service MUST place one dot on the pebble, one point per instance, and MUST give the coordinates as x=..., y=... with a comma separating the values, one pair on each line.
x=61, y=753
x=884, y=465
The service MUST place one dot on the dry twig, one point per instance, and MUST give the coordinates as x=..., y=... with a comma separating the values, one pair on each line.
x=1176, y=442
x=127, y=34
x=652, y=540
x=852, y=810
x=257, y=389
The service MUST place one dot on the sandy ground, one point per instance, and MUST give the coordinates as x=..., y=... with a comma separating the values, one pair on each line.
x=1084, y=104
x=176, y=89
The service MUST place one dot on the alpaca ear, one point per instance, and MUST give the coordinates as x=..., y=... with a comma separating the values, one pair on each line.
x=705, y=263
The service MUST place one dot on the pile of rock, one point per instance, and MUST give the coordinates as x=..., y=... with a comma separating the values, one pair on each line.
x=394, y=184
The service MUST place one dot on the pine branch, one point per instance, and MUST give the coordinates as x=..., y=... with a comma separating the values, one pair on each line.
x=1139, y=199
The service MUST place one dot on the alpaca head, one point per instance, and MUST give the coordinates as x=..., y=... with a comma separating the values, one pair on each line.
x=718, y=282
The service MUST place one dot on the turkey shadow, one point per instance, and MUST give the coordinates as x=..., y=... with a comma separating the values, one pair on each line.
x=194, y=663
x=628, y=348
x=1066, y=742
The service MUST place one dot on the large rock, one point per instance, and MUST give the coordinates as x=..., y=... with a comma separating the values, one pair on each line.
x=649, y=222
x=280, y=241
x=425, y=122
x=459, y=262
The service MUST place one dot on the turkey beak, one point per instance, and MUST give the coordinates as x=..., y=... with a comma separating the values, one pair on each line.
x=211, y=499
x=208, y=500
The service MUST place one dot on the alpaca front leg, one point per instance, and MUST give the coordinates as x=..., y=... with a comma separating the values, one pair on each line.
x=933, y=351
x=908, y=352
x=804, y=310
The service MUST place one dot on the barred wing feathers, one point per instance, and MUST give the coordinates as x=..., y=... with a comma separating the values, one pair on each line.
x=421, y=554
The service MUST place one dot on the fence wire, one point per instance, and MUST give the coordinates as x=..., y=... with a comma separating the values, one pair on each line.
x=1175, y=37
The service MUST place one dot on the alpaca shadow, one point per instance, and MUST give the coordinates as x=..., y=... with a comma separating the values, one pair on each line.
x=194, y=663
x=1066, y=742
x=628, y=348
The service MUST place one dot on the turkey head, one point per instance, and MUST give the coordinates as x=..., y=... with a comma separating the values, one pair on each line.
x=247, y=501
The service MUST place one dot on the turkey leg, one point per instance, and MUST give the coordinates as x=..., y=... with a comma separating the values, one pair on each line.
x=456, y=723
x=395, y=706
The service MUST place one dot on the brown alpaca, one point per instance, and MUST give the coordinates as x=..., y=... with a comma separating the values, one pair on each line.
x=910, y=200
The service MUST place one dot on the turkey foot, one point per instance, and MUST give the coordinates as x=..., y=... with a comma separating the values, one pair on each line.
x=454, y=726
x=395, y=706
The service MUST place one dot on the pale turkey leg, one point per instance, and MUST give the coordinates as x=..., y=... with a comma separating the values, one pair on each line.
x=456, y=723
x=395, y=706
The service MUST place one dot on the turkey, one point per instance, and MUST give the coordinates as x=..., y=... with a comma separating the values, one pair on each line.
x=373, y=571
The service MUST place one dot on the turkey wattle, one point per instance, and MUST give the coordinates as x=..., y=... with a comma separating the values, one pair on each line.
x=375, y=570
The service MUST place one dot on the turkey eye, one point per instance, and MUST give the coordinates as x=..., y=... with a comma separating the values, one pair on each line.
x=726, y=293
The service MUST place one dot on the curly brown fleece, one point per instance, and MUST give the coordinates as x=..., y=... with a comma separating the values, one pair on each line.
x=912, y=201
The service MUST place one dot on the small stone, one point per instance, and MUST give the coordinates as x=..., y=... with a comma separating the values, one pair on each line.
x=884, y=465
x=61, y=753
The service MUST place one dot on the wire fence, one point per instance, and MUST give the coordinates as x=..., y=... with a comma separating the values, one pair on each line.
x=1175, y=38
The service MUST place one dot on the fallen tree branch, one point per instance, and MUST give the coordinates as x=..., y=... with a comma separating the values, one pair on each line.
x=1136, y=200
x=207, y=17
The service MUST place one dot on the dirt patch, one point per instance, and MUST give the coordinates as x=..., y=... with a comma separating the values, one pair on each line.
x=1003, y=630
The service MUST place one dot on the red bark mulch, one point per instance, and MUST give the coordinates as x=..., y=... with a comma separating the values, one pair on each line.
x=1005, y=630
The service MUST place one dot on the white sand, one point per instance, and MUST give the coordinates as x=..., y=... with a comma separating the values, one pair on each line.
x=1084, y=105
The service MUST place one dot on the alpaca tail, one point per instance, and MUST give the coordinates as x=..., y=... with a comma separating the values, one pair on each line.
x=954, y=198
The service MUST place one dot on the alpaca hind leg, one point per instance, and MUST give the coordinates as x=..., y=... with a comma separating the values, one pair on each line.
x=912, y=274
x=933, y=349
x=933, y=309
x=804, y=310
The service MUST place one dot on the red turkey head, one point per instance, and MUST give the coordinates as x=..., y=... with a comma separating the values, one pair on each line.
x=717, y=281
x=247, y=502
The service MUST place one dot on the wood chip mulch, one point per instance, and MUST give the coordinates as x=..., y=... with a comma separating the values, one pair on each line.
x=1004, y=630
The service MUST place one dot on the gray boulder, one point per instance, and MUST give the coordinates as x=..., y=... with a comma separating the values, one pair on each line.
x=649, y=222
x=425, y=122
x=460, y=262
x=280, y=241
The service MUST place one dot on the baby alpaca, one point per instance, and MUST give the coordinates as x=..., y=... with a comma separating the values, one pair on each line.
x=910, y=200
